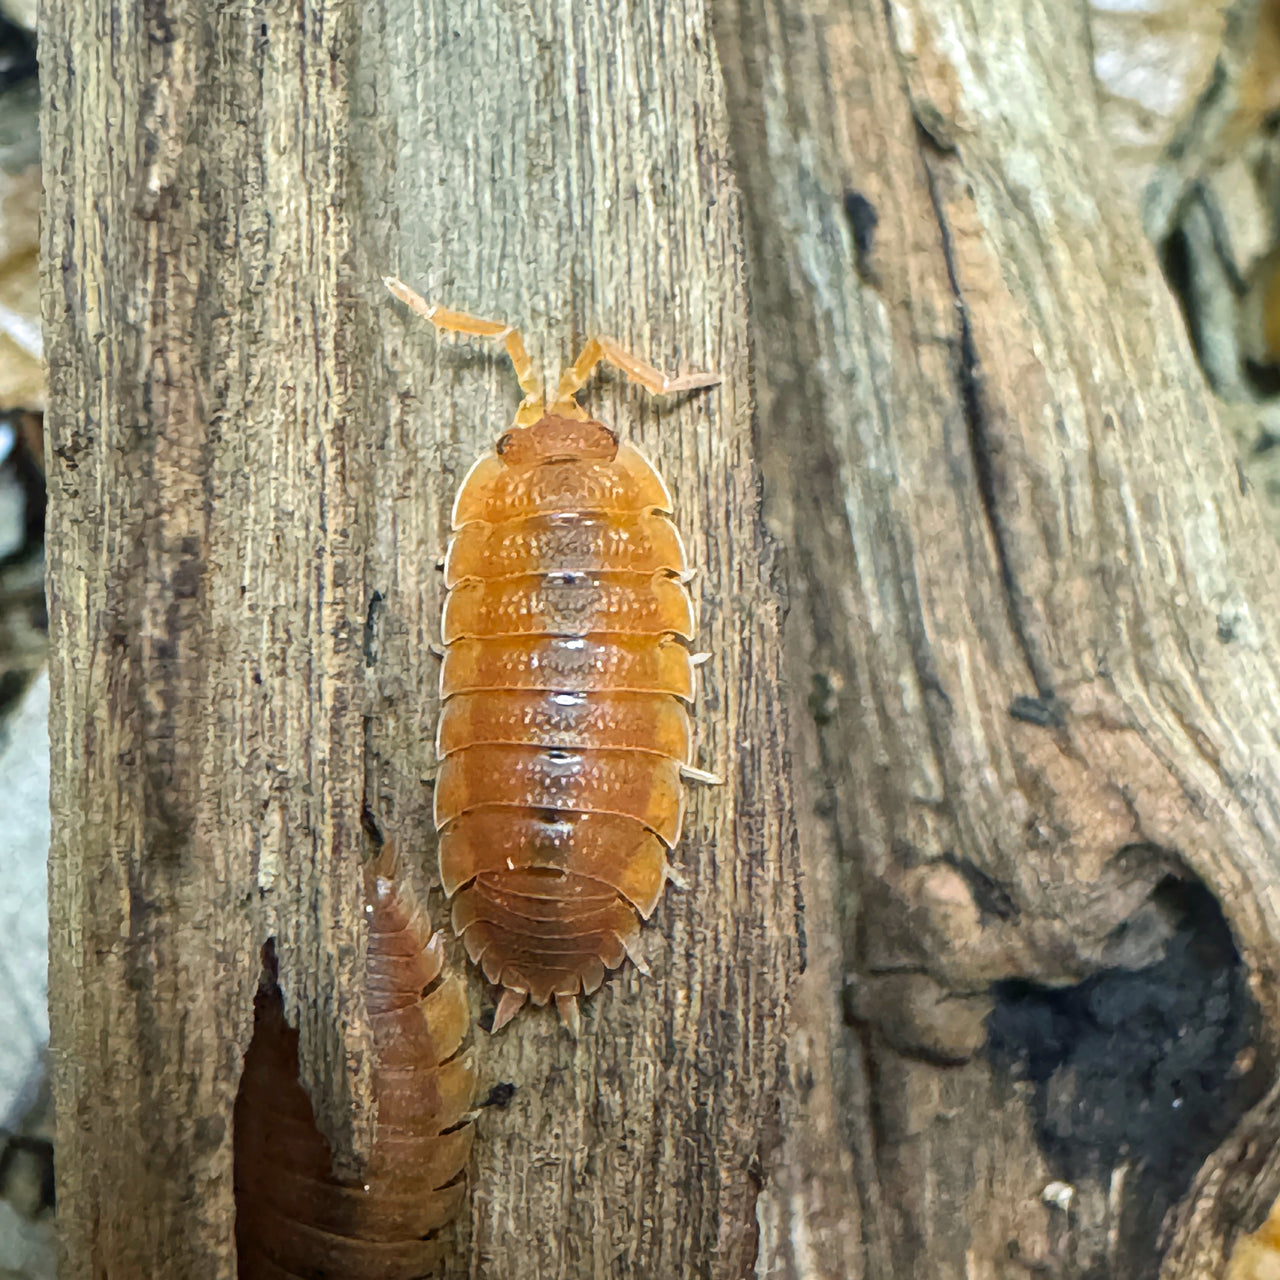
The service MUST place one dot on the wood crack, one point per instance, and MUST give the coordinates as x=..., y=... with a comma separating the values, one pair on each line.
x=967, y=371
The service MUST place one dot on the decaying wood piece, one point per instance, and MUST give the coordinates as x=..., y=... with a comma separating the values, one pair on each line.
x=1032, y=639
x=1034, y=617
x=252, y=451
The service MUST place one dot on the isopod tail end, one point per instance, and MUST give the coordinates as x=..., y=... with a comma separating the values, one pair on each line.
x=510, y=1004
x=567, y=1008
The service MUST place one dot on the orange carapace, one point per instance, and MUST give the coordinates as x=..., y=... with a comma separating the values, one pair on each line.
x=567, y=675
x=293, y=1217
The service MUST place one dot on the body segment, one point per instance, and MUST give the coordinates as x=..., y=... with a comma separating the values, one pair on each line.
x=560, y=789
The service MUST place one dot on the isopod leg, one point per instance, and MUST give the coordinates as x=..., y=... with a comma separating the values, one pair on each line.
x=690, y=774
x=567, y=1008
x=510, y=1004
x=460, y=322
x=574, y=378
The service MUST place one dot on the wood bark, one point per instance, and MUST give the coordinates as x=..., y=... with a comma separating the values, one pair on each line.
x=1033, y=610
x=252, y=452
x=1028, y=677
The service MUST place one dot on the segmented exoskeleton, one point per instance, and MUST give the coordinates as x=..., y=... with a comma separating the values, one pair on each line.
x=293, y=1218
x=564, y=730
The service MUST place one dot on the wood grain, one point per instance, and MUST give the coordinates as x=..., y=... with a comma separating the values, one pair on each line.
x=1028, y=679
x=206, y=597
x=1033, y=613
x=252, y=451
x=527, y=185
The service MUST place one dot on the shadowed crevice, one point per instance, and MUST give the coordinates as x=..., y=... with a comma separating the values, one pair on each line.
x=1143, y=1071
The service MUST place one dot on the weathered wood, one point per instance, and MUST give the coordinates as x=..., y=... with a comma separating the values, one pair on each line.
x=566, y=168
x=252, y=450
x=1031, y=650
x=1033, y=615
x=207, y=533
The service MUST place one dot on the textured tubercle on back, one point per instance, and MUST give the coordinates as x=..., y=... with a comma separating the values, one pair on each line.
x=293, y=1219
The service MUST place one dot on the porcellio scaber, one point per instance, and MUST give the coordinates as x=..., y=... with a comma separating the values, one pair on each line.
x=565, y=733
x=293, y=1217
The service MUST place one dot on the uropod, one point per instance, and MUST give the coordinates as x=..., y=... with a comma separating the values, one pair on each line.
x=566, y=680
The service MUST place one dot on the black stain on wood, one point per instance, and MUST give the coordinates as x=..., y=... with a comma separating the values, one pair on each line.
x=377, y=606
x=500, y=1095
x=1047, y=712
x=863, y=221
x=1138, y=1068
x=989, y=896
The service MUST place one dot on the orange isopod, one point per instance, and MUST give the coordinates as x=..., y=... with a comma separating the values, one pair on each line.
x=293, y=1217
x=564, y=731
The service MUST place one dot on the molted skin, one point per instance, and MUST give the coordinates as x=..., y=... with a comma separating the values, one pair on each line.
x=564, y=722
x=293, y=1219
